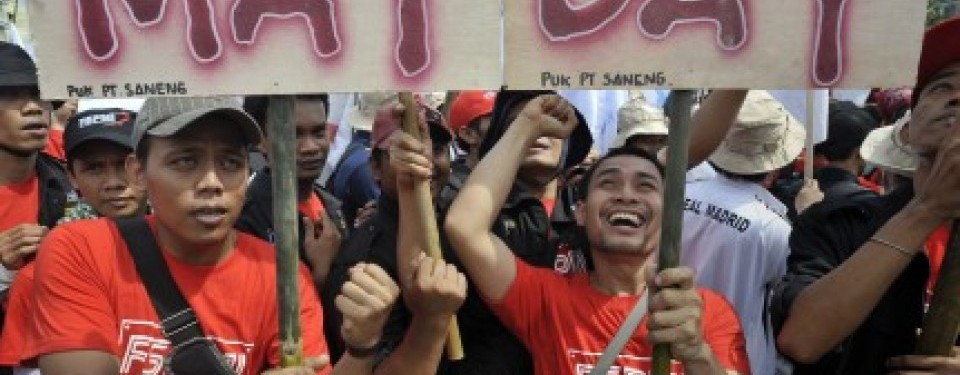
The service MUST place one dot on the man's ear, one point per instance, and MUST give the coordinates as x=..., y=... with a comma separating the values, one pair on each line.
x=135, y=173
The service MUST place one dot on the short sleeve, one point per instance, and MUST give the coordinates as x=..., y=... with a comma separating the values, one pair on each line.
x=722, y=331
x=72, y=304
x=14, y=336
x=311, y=325
x=526, y=300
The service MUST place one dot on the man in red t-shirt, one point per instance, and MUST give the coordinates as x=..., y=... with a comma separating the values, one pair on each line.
x=97, y=145
x=566, y=321
x=93, y=314
x=322, y=224
x=33, y=186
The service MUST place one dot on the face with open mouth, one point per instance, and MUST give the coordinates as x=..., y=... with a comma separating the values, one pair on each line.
x=196, y=181
x=622, y=210
x=24, y=120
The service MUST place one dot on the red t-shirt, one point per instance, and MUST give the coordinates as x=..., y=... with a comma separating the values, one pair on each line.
x=88, y=296
x=19, y=310
x=312, y=208
x=566, y=324
x=936, y=248
x=19, y=203
x=54, y=145
x=548, y=204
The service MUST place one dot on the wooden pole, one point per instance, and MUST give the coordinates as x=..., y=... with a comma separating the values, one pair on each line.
x=678, y=142
x=811, y=125
x=286, y=223
x=942, y=322
x=428, y=217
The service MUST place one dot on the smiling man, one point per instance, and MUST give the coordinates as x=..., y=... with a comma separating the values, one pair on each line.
x=565, y=320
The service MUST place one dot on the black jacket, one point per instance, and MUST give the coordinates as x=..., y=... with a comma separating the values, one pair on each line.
x=257, y=215
x=490, y=347
x=54, y=187
x=825, y=236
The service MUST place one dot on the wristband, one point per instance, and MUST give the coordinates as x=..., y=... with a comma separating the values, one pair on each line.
x=898, y=248
x=358, y=353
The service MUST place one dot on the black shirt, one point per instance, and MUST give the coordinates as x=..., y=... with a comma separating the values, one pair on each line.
x=825, y=236
x=490, y=348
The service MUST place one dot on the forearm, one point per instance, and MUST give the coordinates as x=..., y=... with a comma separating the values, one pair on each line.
x=712, y=121
x=476, y=206
x=410, y=241
x=839, y=302
x=420, y=350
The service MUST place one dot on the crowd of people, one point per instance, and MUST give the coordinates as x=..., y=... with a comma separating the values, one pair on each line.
x=140, y=242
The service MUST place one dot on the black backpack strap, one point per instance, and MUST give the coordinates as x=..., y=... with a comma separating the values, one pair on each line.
x=178, y=321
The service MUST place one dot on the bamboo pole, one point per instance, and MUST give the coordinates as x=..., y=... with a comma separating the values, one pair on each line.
x=285, y=222
x=427, y=217
x=678, y=142
x=811, y=125
x=941, y=324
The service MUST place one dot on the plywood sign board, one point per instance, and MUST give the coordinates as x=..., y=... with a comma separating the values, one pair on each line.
x=712, y=43
x=124, y=48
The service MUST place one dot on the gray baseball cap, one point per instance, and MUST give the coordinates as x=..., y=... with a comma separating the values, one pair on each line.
x=166, y=116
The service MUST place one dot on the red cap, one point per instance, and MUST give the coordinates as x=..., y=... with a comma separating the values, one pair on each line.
x=939, y=51
x=468, y=106
x=385, y=122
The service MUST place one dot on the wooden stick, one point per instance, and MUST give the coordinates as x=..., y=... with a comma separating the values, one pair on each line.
x=811, y=125
x=678, y=142
x=286, y=224
x=428, y=217
x=942, y=322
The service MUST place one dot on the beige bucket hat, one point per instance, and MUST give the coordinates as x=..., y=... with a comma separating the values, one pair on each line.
x=764, y=138
x=637, y=117
x=884, y=147
x=361, y=115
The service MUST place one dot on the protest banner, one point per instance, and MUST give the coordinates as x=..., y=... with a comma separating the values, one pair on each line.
x=125, y=48
x=570, y=44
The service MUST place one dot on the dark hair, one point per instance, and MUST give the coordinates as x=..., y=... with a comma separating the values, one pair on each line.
x=142, y=149
x=755, y=178
x=576, y=237
x=848, y=127
x=583, y=189
x=256, y=106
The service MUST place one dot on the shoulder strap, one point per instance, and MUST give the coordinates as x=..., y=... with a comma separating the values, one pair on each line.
x=177, y=319
x=623, y=335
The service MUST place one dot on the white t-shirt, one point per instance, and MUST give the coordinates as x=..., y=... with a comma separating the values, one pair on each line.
x=735, y=238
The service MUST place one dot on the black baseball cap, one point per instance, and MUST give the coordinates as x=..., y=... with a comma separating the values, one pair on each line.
x=113, y=125
x=16, y=67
